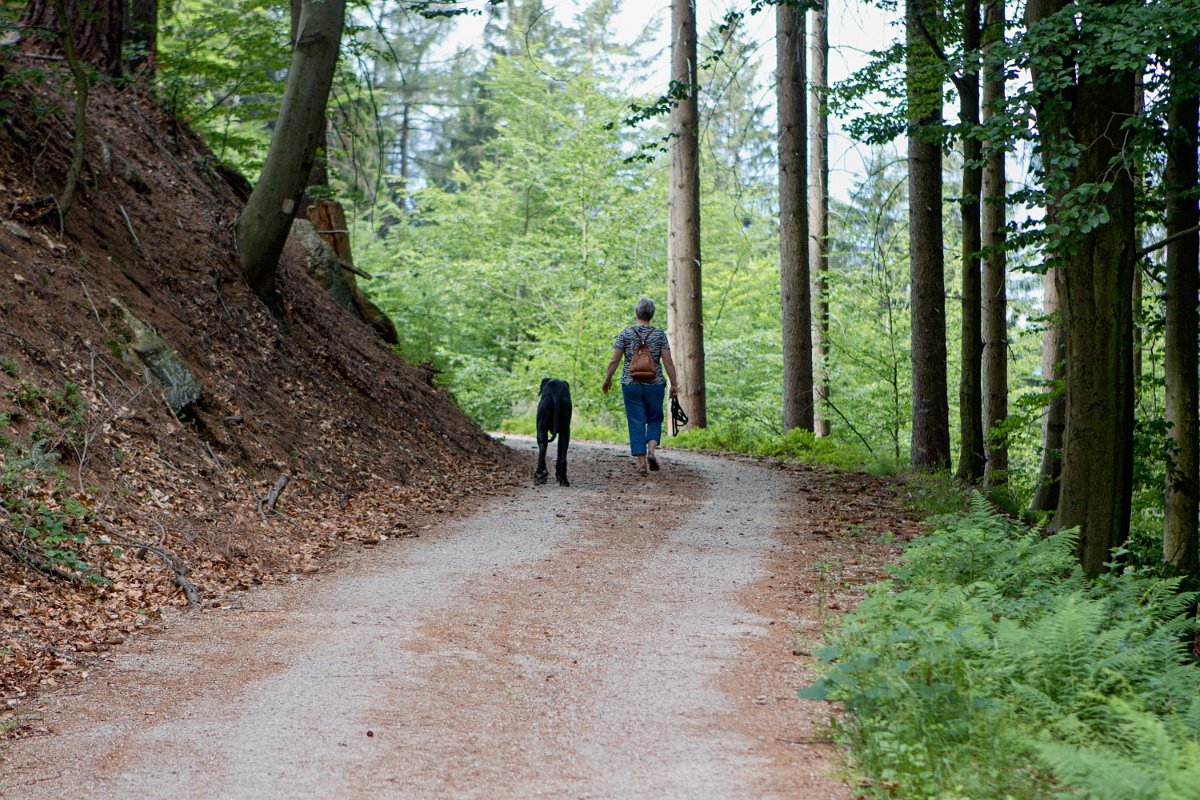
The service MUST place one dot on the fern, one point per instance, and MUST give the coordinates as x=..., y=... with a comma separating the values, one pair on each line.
x=988, y=649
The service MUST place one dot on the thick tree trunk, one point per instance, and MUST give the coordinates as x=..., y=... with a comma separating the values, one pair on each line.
x=971, y=457
x=266, y=221
x=684, y=299
x=1095, y=283
x=930, y=411
x=1045, y=497
x=98, y=35
x=793, y=219
x=994, y=236
x=1180, y=545
x=818, y=213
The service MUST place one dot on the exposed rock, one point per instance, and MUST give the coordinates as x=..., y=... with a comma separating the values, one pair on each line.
x=180, y=386
x=16, y=230
x=324, y=265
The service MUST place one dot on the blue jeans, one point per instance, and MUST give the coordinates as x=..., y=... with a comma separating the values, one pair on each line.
x=644, y=412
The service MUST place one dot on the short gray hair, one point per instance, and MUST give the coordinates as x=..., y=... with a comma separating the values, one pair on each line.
x=644, y=309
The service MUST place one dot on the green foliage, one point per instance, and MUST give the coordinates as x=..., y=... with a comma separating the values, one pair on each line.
x=934, y=494
x=580, y=429
x=41, y=519
x=795, y=445
x=989, y=666
x=222, y=65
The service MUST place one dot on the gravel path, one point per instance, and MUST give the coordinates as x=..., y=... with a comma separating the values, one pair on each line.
x=623, y=638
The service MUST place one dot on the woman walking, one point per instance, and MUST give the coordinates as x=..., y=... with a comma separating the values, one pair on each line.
x=643, y=387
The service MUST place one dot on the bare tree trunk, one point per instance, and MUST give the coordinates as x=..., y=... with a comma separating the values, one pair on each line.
x=264, y=225
x=1180, y=545
x=1096, y=291
x=971, y=457
x=994, y=236
x=97, y=35
x=793, y=219
x=930, y=411
x=1139, y=108
x=684, y=299
x=1054, y=349
x=79, y=78
x=405, y=132
x=818, y=212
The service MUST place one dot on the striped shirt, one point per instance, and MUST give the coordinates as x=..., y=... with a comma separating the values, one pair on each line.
x=655, y=339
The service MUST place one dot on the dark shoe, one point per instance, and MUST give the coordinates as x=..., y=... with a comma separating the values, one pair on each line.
x=653, y=462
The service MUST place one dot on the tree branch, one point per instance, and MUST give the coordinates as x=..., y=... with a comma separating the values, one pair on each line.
x=1145, y=251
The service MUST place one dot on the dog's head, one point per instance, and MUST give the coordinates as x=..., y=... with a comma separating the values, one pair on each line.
x=542, y=388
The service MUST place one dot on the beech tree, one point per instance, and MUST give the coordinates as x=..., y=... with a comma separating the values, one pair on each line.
x=793, y=219
x=263, y=227
x=684, y=300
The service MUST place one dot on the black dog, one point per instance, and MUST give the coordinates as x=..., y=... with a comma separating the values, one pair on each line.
x=553, y=419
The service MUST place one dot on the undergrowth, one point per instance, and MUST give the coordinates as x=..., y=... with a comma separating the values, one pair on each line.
x=988, y=666
x=795, y=445
x=42, y=519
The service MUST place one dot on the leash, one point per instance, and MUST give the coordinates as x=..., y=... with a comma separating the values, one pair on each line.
x=678, y=418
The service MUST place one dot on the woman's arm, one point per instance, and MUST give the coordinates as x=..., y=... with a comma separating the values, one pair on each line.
x=669, y=366
x=618, y=354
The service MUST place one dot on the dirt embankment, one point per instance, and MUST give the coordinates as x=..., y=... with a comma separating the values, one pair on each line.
x=371, y=447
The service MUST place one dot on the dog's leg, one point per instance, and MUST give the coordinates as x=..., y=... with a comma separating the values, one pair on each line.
x=540, y=474
x=560, y=464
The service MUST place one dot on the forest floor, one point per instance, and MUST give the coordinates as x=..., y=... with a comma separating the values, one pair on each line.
x=620, y=638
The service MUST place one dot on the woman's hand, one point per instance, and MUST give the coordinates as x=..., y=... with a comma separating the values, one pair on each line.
x=674, y=390
x=607, y=385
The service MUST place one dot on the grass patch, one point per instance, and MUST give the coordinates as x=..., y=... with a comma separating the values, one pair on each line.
x=581, y=429
x=990, y=667
x=795, y=445
x=935, y=494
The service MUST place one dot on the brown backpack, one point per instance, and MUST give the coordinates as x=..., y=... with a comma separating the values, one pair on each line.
x=642, y=368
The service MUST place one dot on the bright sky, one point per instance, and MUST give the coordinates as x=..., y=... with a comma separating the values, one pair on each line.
x=854, y=29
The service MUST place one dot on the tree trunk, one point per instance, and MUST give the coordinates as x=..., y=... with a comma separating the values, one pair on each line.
x=994, y=236
x=1095, y=282
x=1139, y=110
x=1045, y=497
x=930, y=411
x=98, y=35
x=972, y=456
x=143, y=34
x=684, y=300
x=818, y=212
x=266, y=221
x=1180, y=546
x=793, y=219
x=80, y=78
